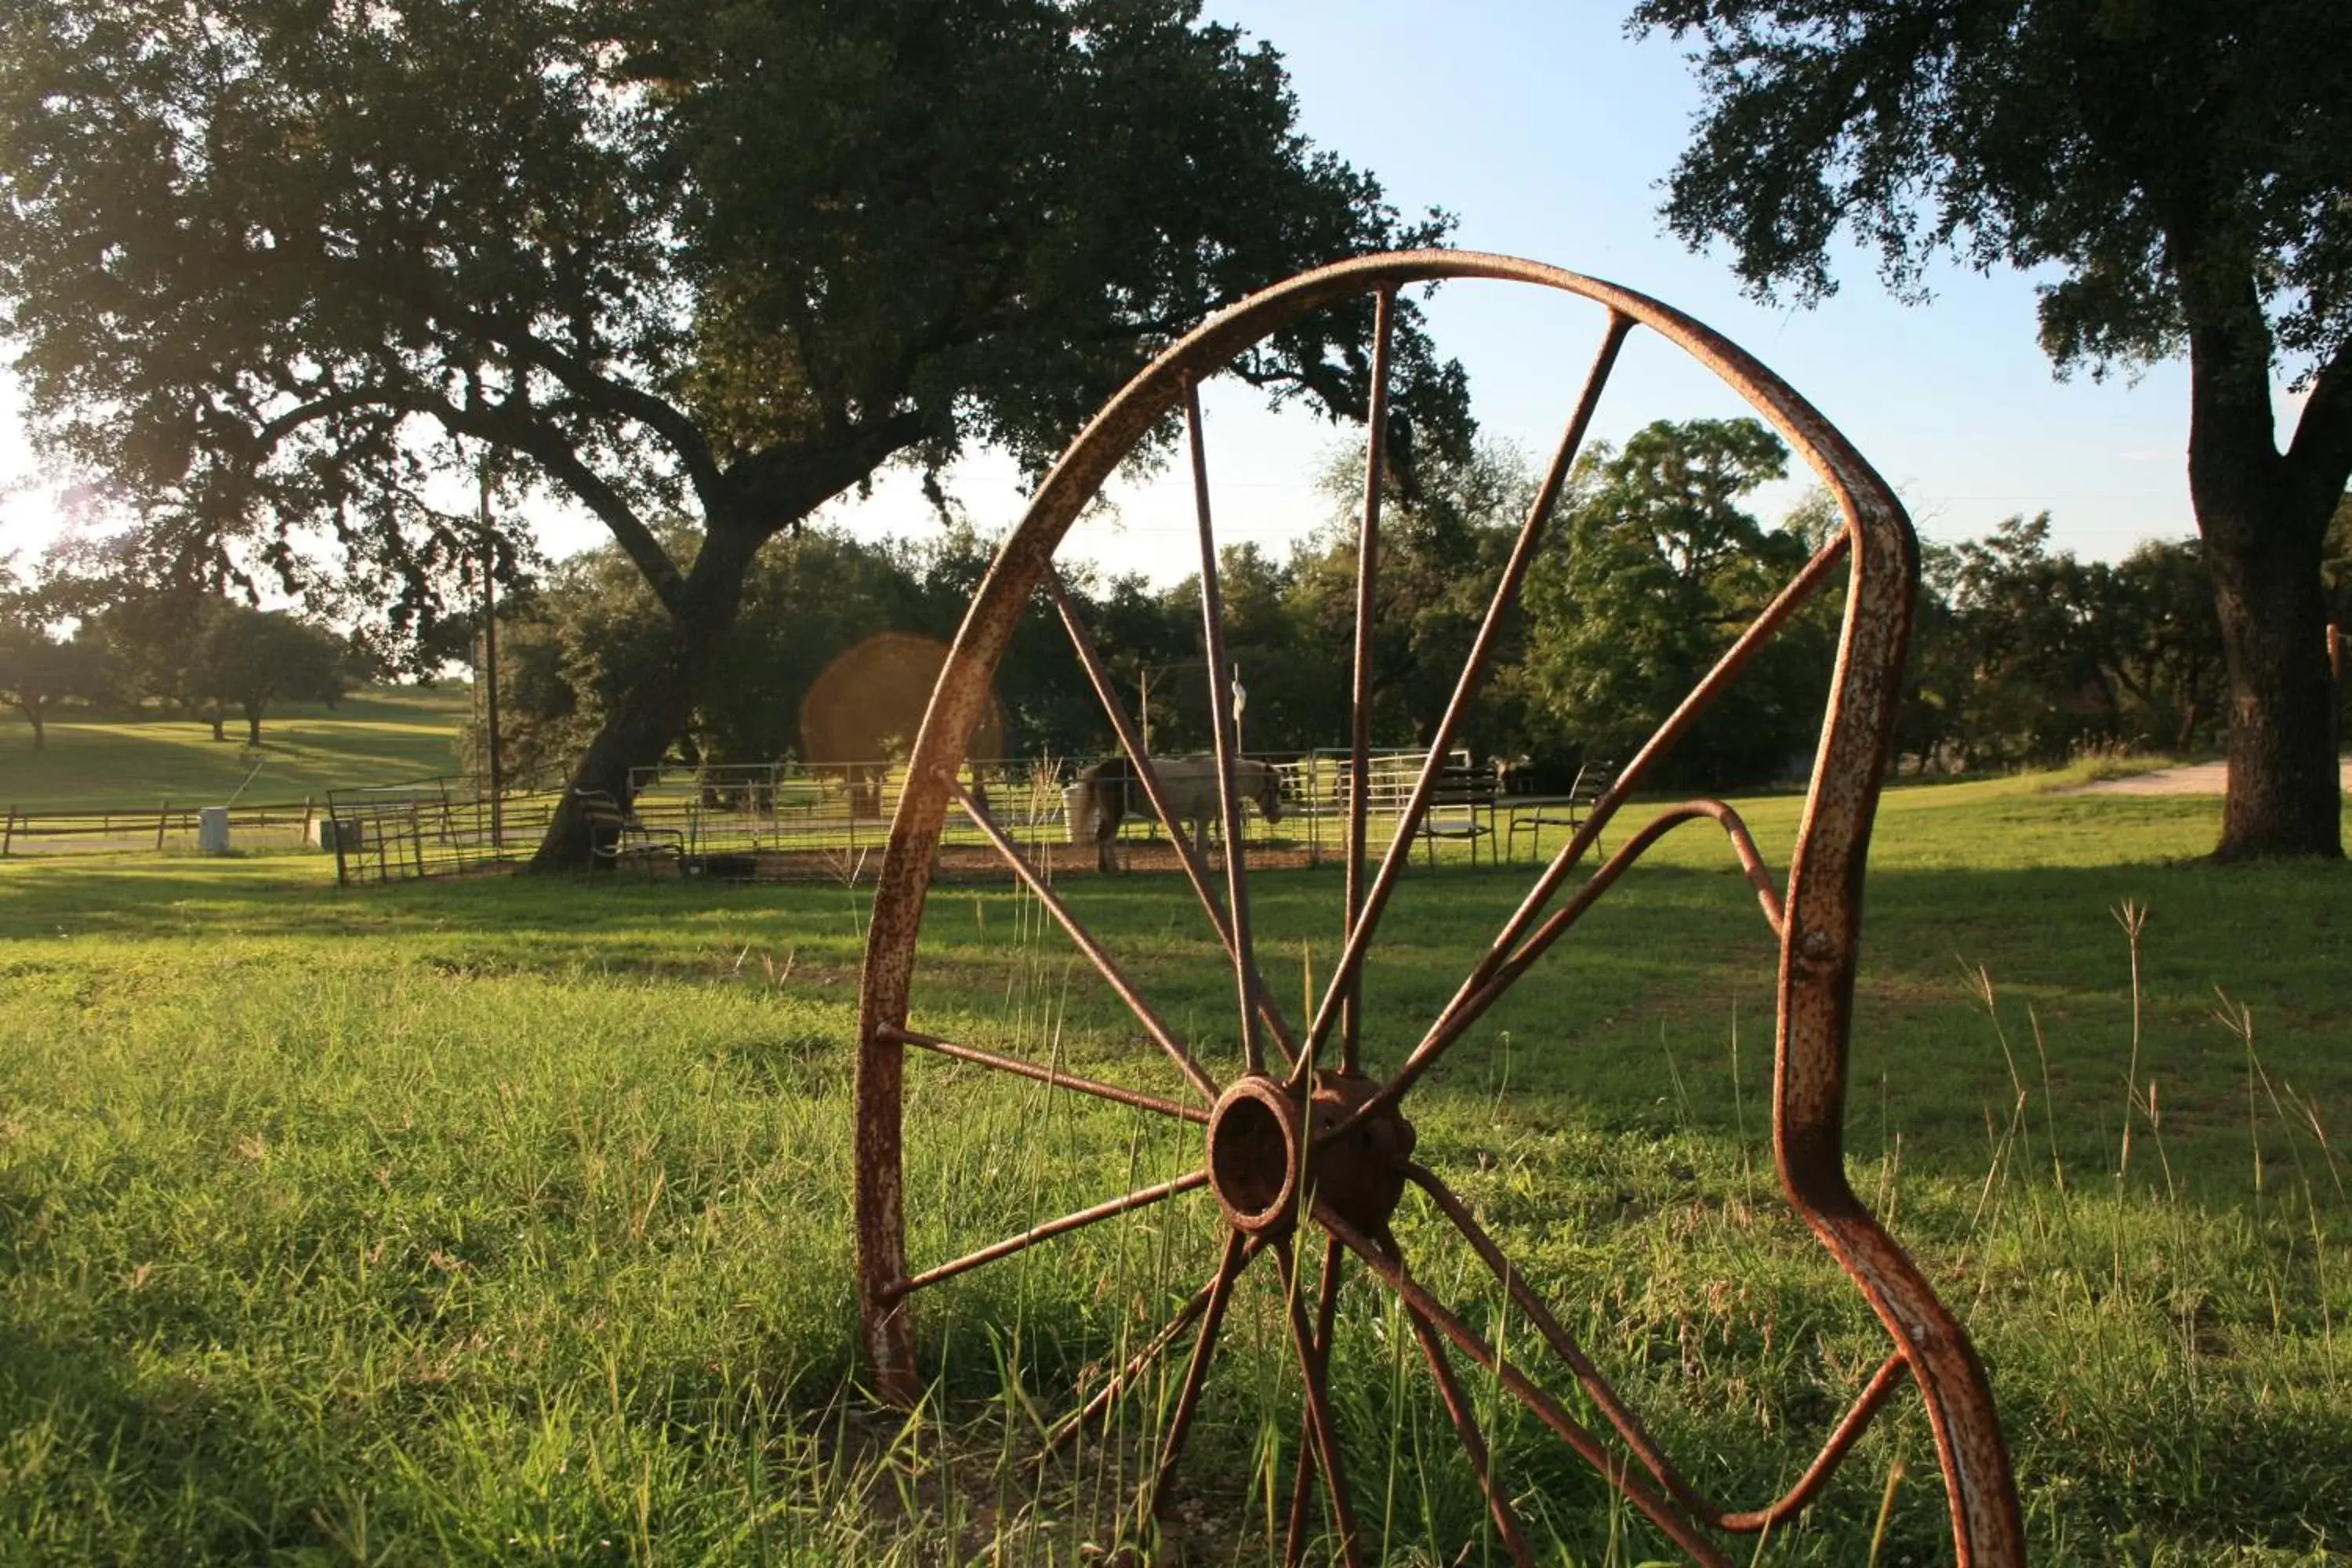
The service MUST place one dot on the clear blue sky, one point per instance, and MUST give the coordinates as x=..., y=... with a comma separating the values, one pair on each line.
x=1547, y=132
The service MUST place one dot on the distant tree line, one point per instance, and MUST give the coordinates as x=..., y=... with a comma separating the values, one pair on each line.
x=97, y=643
x=2022, y=654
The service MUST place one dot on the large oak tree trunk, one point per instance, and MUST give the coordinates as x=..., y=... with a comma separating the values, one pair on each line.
x=2265, y=516
x=2284, y=796
x=653, y=711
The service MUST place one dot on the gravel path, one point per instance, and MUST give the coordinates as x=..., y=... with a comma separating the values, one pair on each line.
x=2202, y=778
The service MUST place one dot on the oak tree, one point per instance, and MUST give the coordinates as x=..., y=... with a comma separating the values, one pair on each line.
x=253, y=660
x=40, y=666
x=291, y=270
x=2180, y=167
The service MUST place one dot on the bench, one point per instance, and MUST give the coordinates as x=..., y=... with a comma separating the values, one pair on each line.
x=1462, y=802
x=1570, y=811
x=615, y=837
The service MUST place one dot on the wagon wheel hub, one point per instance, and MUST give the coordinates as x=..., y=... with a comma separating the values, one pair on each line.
x=1267, y=1148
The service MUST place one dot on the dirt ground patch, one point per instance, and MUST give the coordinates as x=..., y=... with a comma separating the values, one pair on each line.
x=2198, y=778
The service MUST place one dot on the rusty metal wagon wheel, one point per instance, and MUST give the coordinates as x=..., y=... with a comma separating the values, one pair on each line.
x=1292, y=1147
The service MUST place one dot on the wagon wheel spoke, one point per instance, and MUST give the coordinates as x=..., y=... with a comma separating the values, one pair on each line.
x=1314, y=1366
x=1502, y=966
x=1874, y=1396
x=1238, y=1252
x=1076, y=1421
x=1466, y=1423
x=1636, y=1436
x=1360, y=734
x=1110, y=1208
x=1153, y=1024
x=1053, y=1078
x=1319, y=1350
x=1147, y=773
x=1364, y=921
x=1246, y=986
x=1666, y=1514
x=1478, y=990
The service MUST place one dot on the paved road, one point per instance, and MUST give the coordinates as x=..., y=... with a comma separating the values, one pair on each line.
x=2203, y=778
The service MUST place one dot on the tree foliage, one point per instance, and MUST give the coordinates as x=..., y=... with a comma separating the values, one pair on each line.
x=1658, y=570
x=2021, y=655
x=2177, y=158
x=253, y=660
x=1443, y=546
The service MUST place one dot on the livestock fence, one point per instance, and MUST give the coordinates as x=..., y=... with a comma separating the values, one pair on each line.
x=756, y=821
x=789, y=821
x=154, y=829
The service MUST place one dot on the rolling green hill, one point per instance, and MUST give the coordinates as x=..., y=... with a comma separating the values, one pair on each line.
x=375, y=735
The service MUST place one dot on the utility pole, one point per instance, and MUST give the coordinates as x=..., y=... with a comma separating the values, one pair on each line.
x=1144, y=678
x=491, y=662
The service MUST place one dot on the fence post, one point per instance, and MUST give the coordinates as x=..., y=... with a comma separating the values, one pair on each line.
x=162, y=820
x=1315, y=808
x=9, y=833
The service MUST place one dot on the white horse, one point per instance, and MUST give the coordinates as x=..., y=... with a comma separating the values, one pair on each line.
x=1104, y=794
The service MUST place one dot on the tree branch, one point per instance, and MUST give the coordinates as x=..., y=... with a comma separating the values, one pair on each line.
x=420, y=292
x=602, y=392
x=553, y=453
x=771, y=490
x=511, y=429
x=2320, y=458
x=349, y=401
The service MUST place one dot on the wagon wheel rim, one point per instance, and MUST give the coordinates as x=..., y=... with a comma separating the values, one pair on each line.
x=1289, y=1112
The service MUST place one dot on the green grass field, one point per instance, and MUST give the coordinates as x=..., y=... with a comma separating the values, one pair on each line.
x=508, y=1222
x=375, y=736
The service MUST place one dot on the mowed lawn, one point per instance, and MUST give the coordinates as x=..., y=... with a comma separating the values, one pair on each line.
x=511, y=1221
x=375, y=735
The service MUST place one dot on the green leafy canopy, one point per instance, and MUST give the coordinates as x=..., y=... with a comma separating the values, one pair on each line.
x=2174, y=157
x=284, y=269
